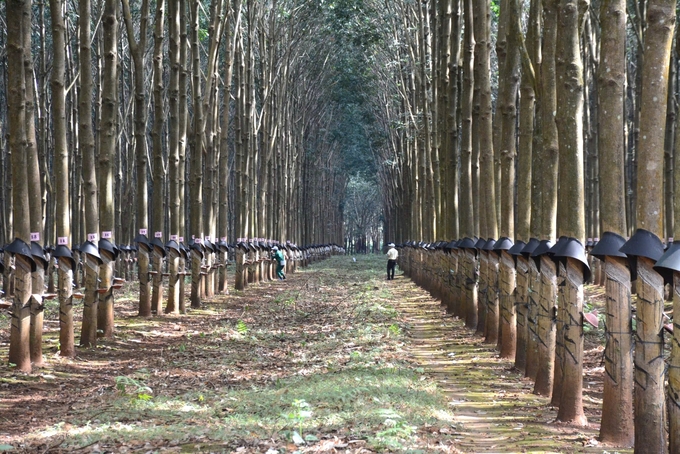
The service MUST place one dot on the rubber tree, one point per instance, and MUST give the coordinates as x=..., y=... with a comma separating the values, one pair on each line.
x=507, y=112
x=159, y=164
x=138, y=50
x=61, y=173
x=649, y=396
x=466, y=262
x=88, y=335
x=19, y=351
x=617, y=425
x=529, y=51
x=108, y=139
x=547, y=161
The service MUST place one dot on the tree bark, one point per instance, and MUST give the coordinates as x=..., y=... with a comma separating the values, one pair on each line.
x=617, y=425
x=107, y=155
x=19, y=351
x=649, y=365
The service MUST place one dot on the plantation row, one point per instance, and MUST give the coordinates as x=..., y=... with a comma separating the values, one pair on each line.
x=527, y=299
x=149, y=261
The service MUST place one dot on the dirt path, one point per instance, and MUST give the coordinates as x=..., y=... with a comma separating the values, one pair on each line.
x=495, y=411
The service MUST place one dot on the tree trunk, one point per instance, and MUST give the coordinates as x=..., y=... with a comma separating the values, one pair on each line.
x=617, y=425
x=649, y=406
x=569, y=68
x=482, y=24
x=196, y=185
x=19, y=352
x=144, y=283
x=492, y=308
x=174, y=202
x=546, y=330
x=617, y=399
x=107, y=154
x=466, y=217
x=61, y=173
x=534, y=281
x=138, y=52
x=159, y=165
x=508, y=313
x=522, y=305
x=674, y=373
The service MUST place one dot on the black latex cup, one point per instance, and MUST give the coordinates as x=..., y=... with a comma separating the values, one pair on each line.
x=38, y=254
x=92, y=250
x=173, y=245
x=574, y=249
x=209, y=247
x=198, y=247
x=466, y=243
x=488, y=247
x=543, y=247
x=19, y=247
x=643, y=243
x=530, y=247
x=609, y=245
x=517, y=248
x=558, y=246
x=158, y=245
x=62, y=252
x=503, y=244
x=143, y=242
x=106, y=245
x=669, y=263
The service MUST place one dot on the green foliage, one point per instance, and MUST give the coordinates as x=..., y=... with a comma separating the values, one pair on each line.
x=299, y=412
x=241, y=327
x=396, y=431
x=496, y=8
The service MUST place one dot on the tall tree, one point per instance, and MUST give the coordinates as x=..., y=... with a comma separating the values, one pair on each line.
x=159, y=164
x=571, y=214
x=138, y=53
x=108, y=141
x=617, y=400
x=61, y=172
x=547, y=161
x=34, y=193
x=650, y=436
x=19, y=352
x=174, y=255
x=88, y=335
x=507, y=109
x=527, y=116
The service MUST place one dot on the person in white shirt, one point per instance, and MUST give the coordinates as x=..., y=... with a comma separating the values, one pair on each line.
x=392, y=255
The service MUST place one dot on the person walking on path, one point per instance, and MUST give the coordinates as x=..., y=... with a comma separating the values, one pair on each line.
x=280, y=263
x=392, y=255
